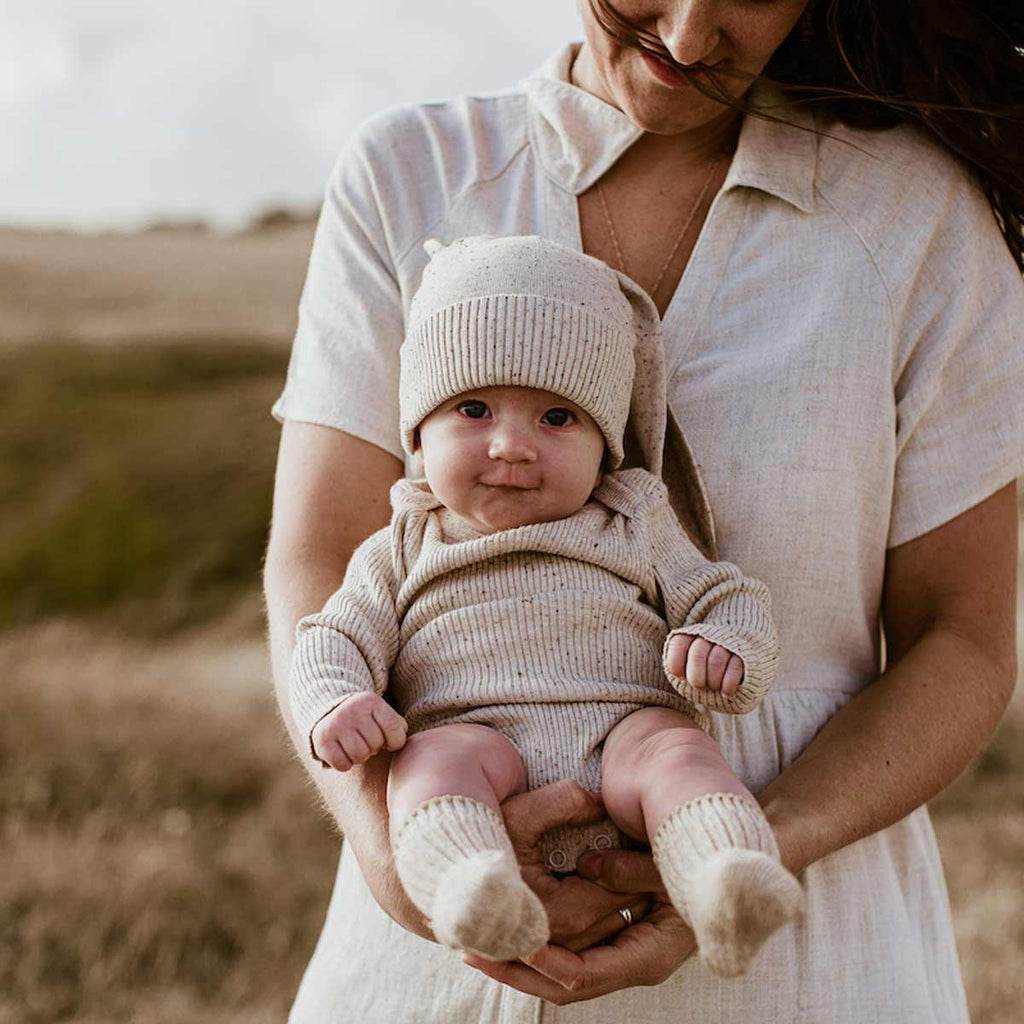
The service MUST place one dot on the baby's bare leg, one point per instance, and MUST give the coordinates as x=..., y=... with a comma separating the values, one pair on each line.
x=666, y=781
x=654, y=761
x=453, y=760
x=452, y=852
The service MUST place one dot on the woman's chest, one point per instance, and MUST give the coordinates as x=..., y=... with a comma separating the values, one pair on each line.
x=780, y=370
x=779, y=353
x=649, y=235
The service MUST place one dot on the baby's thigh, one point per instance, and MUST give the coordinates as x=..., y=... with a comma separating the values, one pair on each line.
x=653, y=756
x=462, y=759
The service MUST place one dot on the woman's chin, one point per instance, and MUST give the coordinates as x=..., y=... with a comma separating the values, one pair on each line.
x=677, y=114
x=660, y=109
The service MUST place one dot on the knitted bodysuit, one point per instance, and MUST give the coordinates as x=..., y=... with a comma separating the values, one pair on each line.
x=549, y=633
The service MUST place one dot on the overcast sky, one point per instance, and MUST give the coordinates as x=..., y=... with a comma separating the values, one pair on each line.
x=114, y=113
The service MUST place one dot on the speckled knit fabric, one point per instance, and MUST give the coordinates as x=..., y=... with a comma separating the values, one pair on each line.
x=550, y=633
x=524, y=311
x=719, y=861
x=458, y=866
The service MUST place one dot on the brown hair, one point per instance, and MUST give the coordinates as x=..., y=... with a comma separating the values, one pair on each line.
x=952, y=67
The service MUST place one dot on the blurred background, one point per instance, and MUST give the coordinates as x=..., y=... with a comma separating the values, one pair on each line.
x=161, y=165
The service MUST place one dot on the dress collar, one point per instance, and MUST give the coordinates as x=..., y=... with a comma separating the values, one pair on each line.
x=577, y=137
x=777, y=158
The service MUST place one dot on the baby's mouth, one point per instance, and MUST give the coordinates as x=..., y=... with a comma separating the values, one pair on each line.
x=510, y=483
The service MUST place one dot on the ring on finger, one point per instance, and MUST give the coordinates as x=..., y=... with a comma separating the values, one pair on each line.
x=627, y=915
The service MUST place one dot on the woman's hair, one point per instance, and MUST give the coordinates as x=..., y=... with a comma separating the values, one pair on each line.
x=953, y=67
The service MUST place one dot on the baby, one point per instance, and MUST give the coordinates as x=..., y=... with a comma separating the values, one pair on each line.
x=533, y=614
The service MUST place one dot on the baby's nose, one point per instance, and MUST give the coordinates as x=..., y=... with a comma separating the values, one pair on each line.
x=512, y=444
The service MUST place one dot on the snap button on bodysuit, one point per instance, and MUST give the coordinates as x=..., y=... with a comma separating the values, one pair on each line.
x=557, y=859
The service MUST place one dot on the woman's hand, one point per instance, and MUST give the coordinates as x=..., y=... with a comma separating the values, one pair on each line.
x=580, y=912
x=584, y=911
x=647, y=953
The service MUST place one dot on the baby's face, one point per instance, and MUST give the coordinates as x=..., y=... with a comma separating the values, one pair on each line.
x=505, y=457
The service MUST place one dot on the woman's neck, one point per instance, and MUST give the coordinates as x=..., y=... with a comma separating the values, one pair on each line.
x=702, y=145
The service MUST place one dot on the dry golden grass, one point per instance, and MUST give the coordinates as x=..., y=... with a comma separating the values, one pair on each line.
x=163, y=858
x=165, y=284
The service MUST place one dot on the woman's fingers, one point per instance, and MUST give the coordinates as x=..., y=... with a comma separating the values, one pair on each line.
x=529, y=815
x=580, y=913
x=624, y=871
x=519, y=976
x=645, y=954
x=576, y=907
x=609, y=926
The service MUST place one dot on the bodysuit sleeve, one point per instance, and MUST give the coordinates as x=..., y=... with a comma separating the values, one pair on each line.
x=714, y=600
x=349, y=646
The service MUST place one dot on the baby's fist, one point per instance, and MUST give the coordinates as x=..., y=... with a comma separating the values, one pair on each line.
x=704, y=664
x=359, y=727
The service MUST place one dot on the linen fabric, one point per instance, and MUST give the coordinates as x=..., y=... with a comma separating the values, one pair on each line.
x=845, y=358
x=549, y=633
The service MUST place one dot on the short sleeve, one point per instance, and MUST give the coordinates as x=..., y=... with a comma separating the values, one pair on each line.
x=960, y=379
x=344, y=364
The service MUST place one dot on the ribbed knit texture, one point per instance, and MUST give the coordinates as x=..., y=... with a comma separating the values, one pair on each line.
x=519, y=311
x=550, y=633
x=724, y=607
x=526, y=311
x=522, y=340
x=719, y=861
x=457, y=864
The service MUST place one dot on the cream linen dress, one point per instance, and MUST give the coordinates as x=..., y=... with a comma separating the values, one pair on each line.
x=846, y=358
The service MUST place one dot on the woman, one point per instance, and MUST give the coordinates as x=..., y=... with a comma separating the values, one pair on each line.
x=845, y=359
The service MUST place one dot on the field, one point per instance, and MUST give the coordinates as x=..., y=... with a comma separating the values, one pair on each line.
x=164, y=859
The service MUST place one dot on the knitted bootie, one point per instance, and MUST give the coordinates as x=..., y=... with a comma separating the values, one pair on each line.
x=720, y=864
x=457, y=864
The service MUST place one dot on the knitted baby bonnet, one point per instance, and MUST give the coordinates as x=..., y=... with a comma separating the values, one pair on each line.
x=524, y=311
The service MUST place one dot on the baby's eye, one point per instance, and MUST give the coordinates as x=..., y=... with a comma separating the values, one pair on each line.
x=558, y=417
x=473, y=409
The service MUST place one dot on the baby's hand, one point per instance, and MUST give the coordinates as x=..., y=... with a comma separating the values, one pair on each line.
x=704, y=664
x=361, y=726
